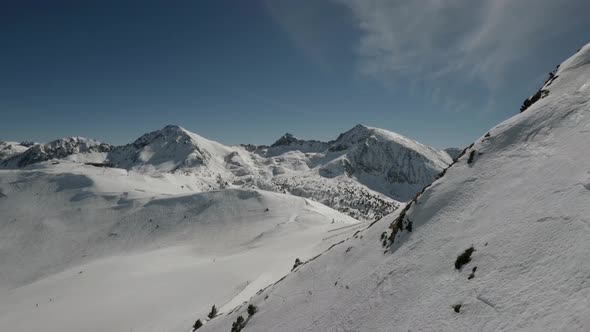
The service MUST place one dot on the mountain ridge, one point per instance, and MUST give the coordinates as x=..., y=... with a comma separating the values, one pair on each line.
x=364, y=172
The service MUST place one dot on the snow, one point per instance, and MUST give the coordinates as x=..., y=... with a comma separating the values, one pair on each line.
x=522, y=204
x=85, y=248
x=363, y=173
x=9, y=149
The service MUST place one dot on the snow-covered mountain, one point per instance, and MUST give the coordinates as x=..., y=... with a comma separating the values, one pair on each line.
x=58, y=149
x=364, y=172
x=499, y=243
x=8, y=149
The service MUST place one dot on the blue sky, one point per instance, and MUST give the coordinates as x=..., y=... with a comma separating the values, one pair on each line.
x=441, y=72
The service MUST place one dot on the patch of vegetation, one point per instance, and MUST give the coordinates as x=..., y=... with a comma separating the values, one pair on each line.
x=252, y=310
x=197, y=325
x=457, y=308
x=471, y=156
x=464, y=258
x=212, y=313
x=533, y=99
x=238, y=325
x=297, y=263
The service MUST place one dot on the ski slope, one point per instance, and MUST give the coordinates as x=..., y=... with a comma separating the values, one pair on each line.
x=86, y=248
x=519, y=196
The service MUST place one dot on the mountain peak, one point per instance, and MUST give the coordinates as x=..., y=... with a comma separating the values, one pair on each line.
x=172, y=128
x=360, y=127
x=286, y=139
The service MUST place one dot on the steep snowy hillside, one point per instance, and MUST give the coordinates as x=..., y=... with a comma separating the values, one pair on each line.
x=85, y=248
x=385, y=161
x=499, y=243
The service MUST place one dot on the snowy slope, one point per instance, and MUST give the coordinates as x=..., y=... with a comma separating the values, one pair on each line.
x=519, y=196
x=85, y=248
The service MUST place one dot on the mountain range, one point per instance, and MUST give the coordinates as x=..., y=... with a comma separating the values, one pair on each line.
x=365, y=172
x=371, y=231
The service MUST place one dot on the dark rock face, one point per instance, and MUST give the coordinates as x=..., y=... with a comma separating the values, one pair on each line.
x=454, y=152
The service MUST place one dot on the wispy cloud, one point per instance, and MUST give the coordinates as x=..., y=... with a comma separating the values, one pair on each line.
x=319, y=28
x=446, y=46
x=435, y=39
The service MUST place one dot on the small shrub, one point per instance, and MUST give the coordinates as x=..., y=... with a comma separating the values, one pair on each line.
x=252, y=310
x=197, y=325
x=457, y=308
x=238, y=325
x=213, y=312
x=533, y=99
x=464, y=258
x=392, y=235
x=297, y=263
x=471, y=156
